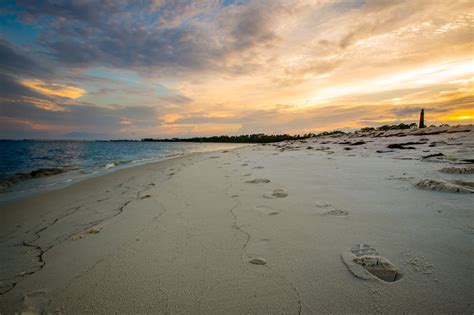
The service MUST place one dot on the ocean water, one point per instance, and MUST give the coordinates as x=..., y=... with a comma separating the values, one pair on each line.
x=82, y=159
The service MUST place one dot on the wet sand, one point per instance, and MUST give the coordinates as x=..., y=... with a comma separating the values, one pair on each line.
x=378, y=222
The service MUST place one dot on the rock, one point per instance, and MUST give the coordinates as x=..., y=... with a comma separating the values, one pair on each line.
x=464, y=183
x=430, y=184
x=357, y=143
x=258, y=261
x=42, y=172
x=458, y=170
x=432, y=155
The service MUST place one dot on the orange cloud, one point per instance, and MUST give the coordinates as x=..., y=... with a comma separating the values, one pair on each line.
x=54, y=89
x=170, y=118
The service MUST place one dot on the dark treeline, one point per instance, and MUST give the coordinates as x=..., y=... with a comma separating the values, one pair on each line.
x=263, y=138
x=253, y=138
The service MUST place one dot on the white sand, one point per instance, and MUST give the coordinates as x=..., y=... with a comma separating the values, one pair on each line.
x=177, y=236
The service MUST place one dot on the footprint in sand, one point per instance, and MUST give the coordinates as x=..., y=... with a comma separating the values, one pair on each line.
x=331, y=210
x=267, y=210
x=365, y=263
x=34, y=303
x=337, y=213
x=258, y=181
x=277, y=193
x=417, y=262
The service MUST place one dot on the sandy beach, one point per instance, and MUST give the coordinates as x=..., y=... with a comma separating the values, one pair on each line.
x=261, y=229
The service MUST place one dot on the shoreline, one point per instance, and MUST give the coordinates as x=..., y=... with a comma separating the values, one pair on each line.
x=270, y=228
x=28, y=188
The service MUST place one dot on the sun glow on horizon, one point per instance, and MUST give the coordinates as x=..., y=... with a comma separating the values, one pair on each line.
x=195, y=68
x=425, y=76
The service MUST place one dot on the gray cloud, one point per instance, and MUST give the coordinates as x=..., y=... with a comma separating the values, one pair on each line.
x=10, y=88
x=83, y=33
x=13, y=62
x=84, y=117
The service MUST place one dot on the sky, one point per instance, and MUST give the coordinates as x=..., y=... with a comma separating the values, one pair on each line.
x=115, y=69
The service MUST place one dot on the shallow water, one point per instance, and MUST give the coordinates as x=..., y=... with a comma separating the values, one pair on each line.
x=84, y=159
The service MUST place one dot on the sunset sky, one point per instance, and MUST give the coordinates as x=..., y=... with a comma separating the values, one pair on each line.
x=118, y=69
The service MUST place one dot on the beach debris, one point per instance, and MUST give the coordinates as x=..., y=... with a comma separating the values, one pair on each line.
x=365, y=263
x=258, y=261
x=357, y=143
x=258, y=181
x=435, y=185
x=77, y=237
x=432, y=155
x=93, y=231
x=403, y=146
x=146, y=196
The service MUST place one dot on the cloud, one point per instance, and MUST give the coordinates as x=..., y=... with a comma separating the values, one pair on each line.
x=185, y=67
x=81, y=116
x=16, y=63
x=10, y=88
x=54, y=89
x=84, y=34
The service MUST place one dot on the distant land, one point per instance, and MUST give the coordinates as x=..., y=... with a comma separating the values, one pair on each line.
x=251, y=138
x=263, y=138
